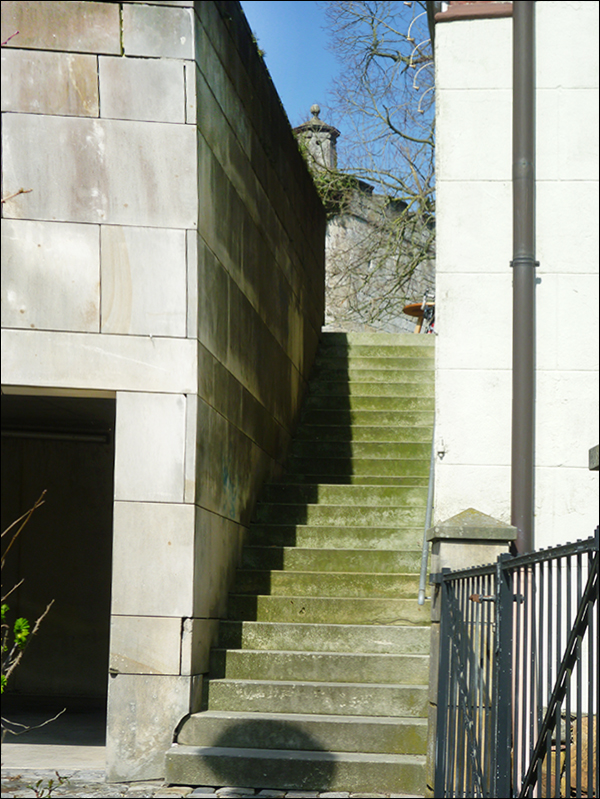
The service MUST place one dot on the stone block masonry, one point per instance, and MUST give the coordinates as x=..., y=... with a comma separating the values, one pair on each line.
x=166, y=254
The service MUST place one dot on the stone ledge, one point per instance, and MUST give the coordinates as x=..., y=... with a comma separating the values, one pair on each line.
x=472, y=524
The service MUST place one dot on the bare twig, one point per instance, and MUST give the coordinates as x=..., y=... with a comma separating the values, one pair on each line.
x=14, y=588
x=16, y=194
x=12, y=36
x=23, y=519
x=27, y=727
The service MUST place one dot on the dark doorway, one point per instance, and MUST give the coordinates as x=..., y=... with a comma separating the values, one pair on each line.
x=64, y=445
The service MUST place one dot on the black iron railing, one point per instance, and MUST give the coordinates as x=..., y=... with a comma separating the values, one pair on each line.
x=518, y=696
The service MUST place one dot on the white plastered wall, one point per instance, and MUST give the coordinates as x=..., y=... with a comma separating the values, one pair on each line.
x=474, y=279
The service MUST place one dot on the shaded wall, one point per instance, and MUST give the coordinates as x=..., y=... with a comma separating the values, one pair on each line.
x=63, y=554
x=169, y=254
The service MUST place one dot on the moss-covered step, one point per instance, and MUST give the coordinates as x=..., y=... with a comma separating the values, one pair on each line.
x=344, y=537
x=349, y=418
x=414, y=434
x=331, y=560
x=345, y=699
x=322, y=584
x=374, y=338
x=385, y=639
x=359, y=515
x=355, y=479
x=411, y=385
x=345, y=495
x=372, y=467
x=370, y=402
x=327, y=610
x=243, y=664
x=295, y=770
x=294, y=730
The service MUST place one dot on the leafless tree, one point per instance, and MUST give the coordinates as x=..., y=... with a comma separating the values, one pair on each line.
x=384, y=99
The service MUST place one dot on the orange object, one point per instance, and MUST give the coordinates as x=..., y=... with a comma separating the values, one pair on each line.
x=416, y=309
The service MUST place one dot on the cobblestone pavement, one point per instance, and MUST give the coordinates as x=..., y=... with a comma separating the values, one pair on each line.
x=17, y=783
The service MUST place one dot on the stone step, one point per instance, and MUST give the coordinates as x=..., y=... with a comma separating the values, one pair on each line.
x=374, y=388
x=331, y=537
x=350, y=349
x=330, y=560
x=373, y=467
x=295, y=770
x=330, y=698
x=321, y=610
x=321, y=584
x=378, y=339
x=356, y=377
x=299, y=731
x=328, y=494
x=383, y=418
x=347, y=435
x=354, y=479
x=385, y=639
x=352, y=450
x=330, y=667
x=408, y=360
x=374, y=402
x=359, y=515
x=357, y=368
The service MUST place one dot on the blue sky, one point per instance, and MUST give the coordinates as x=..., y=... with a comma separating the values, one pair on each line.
x=291, y=33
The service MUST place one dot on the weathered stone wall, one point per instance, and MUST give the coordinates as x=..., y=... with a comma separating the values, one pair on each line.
x=167, y=250
x=474, y=278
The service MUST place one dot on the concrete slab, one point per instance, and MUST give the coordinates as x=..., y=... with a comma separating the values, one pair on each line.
x=75, y=740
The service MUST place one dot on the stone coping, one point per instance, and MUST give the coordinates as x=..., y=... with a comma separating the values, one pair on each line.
x=472, y=524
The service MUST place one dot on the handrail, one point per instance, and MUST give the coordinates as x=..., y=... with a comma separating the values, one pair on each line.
x=428, y=514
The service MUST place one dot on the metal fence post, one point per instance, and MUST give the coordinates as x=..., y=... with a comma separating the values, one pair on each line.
x=502, y=702
x=442, y=697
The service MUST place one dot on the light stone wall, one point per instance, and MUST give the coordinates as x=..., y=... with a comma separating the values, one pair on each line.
x=167, y=250
x=474, y=279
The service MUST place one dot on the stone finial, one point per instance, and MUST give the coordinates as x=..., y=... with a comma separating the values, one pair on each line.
x=320, y=139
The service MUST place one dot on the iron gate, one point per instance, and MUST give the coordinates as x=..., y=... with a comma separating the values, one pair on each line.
x=518, y=689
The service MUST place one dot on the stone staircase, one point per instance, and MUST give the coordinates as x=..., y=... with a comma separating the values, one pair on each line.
x=319, y=680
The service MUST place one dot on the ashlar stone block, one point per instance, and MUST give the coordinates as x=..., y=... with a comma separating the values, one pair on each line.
x=142, y=88
x=482, y=151
x=197, y=638
x=143, y=711
x=108, y=171
x=145, y=645
x=62, y=25
x=153, y=553
x=143, y=281
x=40, y=82
x=150, y=447
x=89, y=362
x=50, y=276
x=158, y=31
x=217, y=553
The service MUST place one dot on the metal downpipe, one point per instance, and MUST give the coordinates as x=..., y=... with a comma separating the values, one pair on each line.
x=523, y=264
